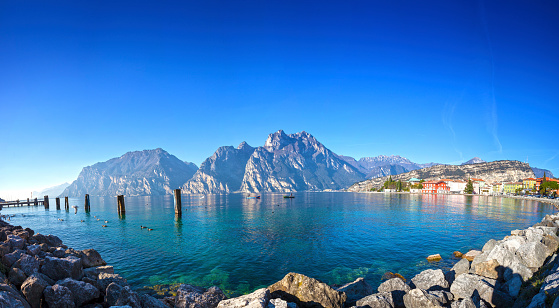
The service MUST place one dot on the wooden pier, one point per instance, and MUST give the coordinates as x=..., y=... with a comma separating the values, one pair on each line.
x=18, y=202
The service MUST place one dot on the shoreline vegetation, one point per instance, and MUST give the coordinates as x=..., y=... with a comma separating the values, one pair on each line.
x=521, y=270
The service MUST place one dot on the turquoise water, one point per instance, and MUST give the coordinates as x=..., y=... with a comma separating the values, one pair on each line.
x=242, y=244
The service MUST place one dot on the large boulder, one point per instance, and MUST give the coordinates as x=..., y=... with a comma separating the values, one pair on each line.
x=33, y=249
x=189, y=296
x=117, y=295
x=461, y=267
x=91, y=258
x=551, y=242
x=9, y=259
x=533, y=254
x=517, y=269
x=50, y=240
x=398, y=288
x=489, y=245
x=356, y=290
x=10, y=297
x=82, y=292
x=468, y=285
x=490, y=269
x=256, y=299
x=15, y=242
x=16, y=276
x=32, y=288
x=503, y=255
x=151, y=302
x=93, y=272
x=28, y=264
x=59, y=296
x=105, y=279
x=513, y=286
x=418, y=298
x=307, y=292
x=280, y=303
x=465, y=285
x=378, y=300
x=470, y=255
x=61, y=268
x=429, y=280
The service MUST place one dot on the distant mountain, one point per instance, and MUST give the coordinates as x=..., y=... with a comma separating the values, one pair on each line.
x=496, y=171
x=222, y=172
x=296, y=162
x=383, y=165
x=475, y=160
x=51, y=191
x=149, y=172
x=539, y=172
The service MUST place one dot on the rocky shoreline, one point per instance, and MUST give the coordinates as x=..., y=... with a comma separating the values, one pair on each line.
x=521, y=270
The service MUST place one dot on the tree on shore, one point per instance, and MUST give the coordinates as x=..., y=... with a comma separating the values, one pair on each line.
x=469, y=187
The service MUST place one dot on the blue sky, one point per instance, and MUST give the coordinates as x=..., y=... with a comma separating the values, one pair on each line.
x=441, y=81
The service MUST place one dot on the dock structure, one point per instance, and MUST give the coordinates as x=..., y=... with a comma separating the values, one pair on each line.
x=178, y=202
x=120, y=204
x=18, y=202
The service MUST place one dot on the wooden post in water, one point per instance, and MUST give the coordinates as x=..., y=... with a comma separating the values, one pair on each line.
x=46, y=201
x=28, y=203
x=178, y=202
x=86, y=203
x=120, y=203
x=57, y=203
x=35, y=202
x=66, y=204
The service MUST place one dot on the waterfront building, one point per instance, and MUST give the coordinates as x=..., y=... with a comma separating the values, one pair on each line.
x=435, y=187
x=479, y=185
x=455, y=186
x=511, y=187
x=529, y=183
x=540, y=180
x=497, y=188
x=413, y=181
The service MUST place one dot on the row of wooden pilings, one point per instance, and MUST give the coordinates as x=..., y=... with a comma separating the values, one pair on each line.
x=120, y=203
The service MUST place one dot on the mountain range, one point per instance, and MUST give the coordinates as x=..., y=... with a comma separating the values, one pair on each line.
x=285, y=163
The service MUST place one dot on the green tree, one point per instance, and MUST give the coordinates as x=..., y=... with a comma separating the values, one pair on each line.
x=399, y=185
x=548, y=186
x=469, y=187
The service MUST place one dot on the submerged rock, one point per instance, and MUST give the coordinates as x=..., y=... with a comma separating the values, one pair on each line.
x=307, y=292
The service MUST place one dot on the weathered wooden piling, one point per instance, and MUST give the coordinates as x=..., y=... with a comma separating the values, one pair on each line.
x=57, y=203
x=66, y=204
x=28, y=203
x=86, y=203
x=36, y=202
x=120, y=203
x=178, y=202
x=46, y=201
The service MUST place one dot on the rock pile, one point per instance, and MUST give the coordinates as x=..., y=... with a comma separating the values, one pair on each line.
x=39, y=271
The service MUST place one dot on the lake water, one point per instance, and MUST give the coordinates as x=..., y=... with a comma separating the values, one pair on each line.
x=241, y=244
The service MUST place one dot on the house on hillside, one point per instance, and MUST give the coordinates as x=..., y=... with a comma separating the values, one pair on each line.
x=435, y=187
x=413, y=181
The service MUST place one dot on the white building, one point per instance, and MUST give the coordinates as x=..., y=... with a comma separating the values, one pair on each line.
x=456, y=186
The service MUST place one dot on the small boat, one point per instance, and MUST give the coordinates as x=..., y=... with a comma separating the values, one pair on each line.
x=253, y=197
x=289, y=197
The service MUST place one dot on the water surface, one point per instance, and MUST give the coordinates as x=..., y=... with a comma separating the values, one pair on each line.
x=241, y=244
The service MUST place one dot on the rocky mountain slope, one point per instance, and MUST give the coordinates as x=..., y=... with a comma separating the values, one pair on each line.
x=539, y=172
x=382, y=165
x=51, y=191
x=223, y=172
x=149, y=172
x=496, y=171
x=296, y=162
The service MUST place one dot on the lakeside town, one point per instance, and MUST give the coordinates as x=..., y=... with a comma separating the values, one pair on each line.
x=537, y=187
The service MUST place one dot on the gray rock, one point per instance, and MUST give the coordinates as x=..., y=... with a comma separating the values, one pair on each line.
x=59, y=252
x=32, y=288
x=513, y=242
x=9, y=259
x=4, y=249
x=280, y=303
x=82, y=292
x=442, y=297
x=533, y=254
x=551, y=243
x=482, y=257
x=120, y=296
x=550, y=284
x=10, y=297
x=356, y=290
x=50, y=240
x=93, y=272
x=503, y=256
x=256, y=299
x=15, y=242
x=461, y=267
x=378, y=300
x=307, y=292
x=489, y=245
x=92, y=258
x=151, y=302
x=538, y=301
x=196, y=297
x=513, y=286
x=33, y=250
x=490, y=294
x=471, y=255
x=104, y=280
x=517, y=269
x=465, y=285
x=59, y=297
x=28, y=264
x=418, y=298
x=61, y=268
x=16, y=276
x=429, y=280
x=556, y=303
x=398, y=288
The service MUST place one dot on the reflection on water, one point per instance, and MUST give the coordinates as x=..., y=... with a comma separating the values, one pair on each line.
x=241, y=244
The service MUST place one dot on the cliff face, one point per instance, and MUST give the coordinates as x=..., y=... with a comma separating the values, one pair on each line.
x=497, y=171
x=383, y=165
x=296, y=162
x=149, y=172
x=222, y=172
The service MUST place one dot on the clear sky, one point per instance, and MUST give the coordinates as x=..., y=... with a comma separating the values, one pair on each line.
x=433, y=81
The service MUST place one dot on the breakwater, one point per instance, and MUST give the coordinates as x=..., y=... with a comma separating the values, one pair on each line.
x=521, y=270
